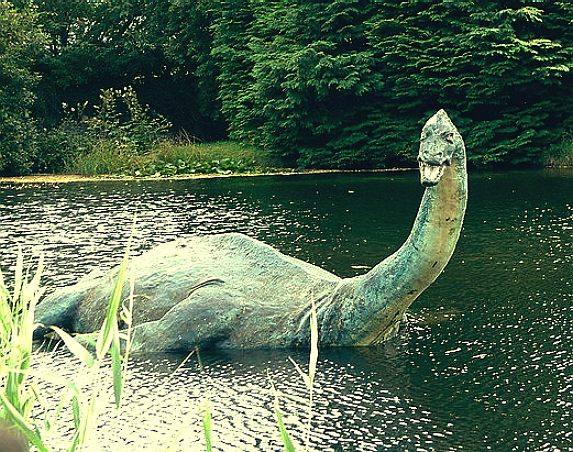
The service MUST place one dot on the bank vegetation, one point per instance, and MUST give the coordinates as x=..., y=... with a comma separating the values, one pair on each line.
x=114, y=86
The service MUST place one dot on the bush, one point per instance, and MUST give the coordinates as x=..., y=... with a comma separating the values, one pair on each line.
x=562, y=154
x=121, y=120
x=170, y=158
x=118, y=128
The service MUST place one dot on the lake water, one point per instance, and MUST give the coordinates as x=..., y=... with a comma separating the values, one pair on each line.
x=484, y=363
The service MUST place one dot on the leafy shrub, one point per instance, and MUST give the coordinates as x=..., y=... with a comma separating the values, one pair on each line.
x=18, y=146
x=60, y=145
x=122, y=120
x=562, y=154
x=118, y=128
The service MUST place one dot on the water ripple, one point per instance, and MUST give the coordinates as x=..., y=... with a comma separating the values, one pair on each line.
x=485, y=363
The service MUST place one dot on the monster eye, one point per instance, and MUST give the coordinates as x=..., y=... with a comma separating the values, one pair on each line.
x=449, y=137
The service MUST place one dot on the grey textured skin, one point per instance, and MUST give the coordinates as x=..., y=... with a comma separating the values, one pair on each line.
x=230, y=290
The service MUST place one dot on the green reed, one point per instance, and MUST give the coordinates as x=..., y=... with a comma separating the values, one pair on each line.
x=170, y=158
x=19, y=395
x=308, y=379
x=208, y=427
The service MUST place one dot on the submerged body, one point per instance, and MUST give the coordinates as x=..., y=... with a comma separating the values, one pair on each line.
x=230, y=290
x=202, y=288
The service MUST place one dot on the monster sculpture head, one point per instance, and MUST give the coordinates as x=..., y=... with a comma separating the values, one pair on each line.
x=438, y=142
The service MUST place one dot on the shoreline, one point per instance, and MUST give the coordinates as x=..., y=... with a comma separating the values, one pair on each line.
x=36, y=179
x=69, y=178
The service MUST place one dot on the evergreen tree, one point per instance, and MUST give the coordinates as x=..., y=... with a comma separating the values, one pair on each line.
x=159, y=47
x=348, y=83
x=231, y=27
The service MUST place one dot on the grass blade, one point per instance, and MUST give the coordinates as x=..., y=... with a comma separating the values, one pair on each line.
x=313, y=359
x=77, y=412
x=304, y=376
x=18, y=277
x=208, y=427
x=105, y=336
x=77, y=349
x=312, y=363
x=285, y=437
x=117, y=368
x=31, y=435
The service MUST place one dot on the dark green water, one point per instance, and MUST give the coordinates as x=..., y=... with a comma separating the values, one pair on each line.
x=485, y=362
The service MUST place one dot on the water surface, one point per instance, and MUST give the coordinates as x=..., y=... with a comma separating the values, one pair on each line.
x=485, y=362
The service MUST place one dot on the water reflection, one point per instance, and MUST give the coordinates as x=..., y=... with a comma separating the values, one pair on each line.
x=486, y=363
x=92, y=221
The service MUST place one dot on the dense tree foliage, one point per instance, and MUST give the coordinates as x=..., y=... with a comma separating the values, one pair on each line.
x=347, y=83
x=20, y=41
x=322, y=83
x=159, y=47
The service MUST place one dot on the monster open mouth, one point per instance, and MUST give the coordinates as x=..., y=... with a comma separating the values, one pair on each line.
x=430, y=175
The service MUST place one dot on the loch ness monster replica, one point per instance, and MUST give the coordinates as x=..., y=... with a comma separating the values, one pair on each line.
x=229, y=290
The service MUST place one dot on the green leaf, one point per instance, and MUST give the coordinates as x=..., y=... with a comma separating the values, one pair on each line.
x=77, y=349
x=105, y=336
x=117, y=368
x=285, y=437
x=208, y=427
x=313, y=359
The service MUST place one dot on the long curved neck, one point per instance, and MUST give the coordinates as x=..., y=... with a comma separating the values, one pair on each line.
x=435, y=232
x=379, y=298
